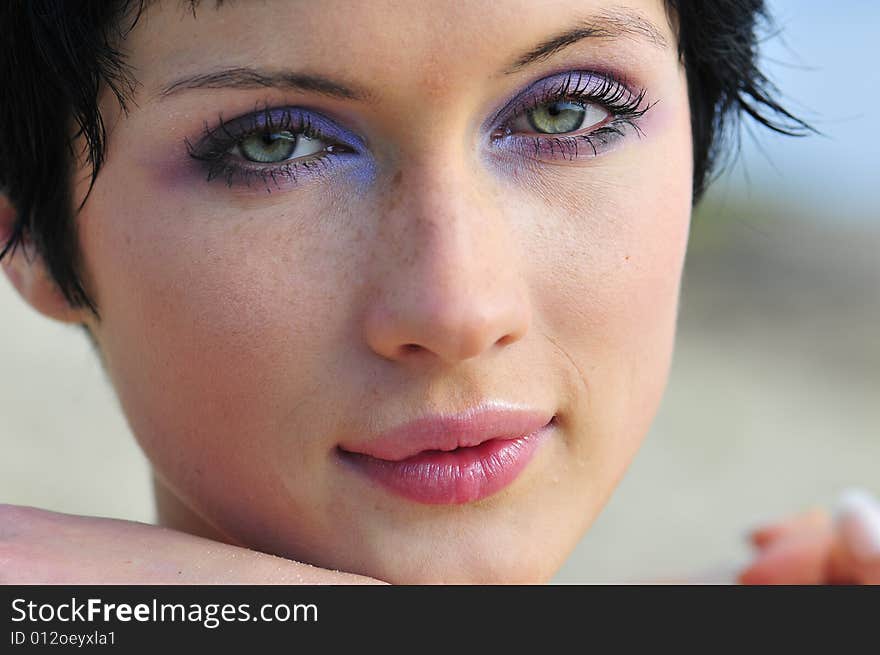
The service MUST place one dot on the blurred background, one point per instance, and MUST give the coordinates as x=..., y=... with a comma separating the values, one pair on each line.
x=773, y=404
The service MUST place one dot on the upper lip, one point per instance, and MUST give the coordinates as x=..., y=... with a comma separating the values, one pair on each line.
x=450, y=431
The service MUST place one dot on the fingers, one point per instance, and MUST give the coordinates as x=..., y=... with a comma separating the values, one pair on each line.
x=858, y=519
x=814, y=548
x=799, y=556
x=813, y=520
x=857, y=524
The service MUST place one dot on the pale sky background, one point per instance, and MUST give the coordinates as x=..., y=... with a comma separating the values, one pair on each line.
x=827, y=64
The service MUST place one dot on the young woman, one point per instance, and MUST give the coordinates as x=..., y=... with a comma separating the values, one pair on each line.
x=383, y=288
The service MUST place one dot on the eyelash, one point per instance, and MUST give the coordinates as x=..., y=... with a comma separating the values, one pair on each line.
x=624, y=106
x=213, y=149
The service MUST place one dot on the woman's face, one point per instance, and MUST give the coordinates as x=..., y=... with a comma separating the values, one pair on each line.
x=472, y=220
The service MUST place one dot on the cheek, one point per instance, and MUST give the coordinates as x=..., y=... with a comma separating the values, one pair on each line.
x=215, y=325
x=608, y=296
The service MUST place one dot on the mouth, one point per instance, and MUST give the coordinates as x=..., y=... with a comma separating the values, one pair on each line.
x=451, y=460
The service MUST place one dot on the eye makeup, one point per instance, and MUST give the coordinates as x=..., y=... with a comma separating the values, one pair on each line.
x=223, y=151
x=594, y=94
x=595, y=110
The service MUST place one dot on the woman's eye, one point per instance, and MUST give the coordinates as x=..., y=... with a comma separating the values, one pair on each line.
x=276, y=147
x=561, y=117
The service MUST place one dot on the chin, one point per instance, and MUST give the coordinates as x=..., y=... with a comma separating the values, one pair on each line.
x=492, y=561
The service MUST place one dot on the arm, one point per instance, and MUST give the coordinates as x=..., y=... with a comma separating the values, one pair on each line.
x=42, y=547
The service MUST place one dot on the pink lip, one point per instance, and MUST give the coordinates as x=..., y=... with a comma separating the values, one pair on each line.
x=452, y=459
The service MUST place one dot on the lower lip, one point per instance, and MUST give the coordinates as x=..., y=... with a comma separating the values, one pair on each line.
x=459, y=476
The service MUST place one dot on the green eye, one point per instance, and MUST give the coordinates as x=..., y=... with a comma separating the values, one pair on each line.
x=269, y=148
x=557, y=117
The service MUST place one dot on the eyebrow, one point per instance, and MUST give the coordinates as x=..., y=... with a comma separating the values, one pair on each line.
x=251, y=78
x=608, y=24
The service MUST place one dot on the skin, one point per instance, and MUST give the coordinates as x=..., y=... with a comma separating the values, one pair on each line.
x=247, y=334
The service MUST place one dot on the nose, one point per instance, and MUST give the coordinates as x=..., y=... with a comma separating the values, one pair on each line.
x=449, y=284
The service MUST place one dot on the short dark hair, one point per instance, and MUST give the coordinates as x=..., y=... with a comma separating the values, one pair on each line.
x=57, y=55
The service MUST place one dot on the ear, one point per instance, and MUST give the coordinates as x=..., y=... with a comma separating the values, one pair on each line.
x=28, y=274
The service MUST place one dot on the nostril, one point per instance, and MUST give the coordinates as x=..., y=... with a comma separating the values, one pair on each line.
x=412, y=347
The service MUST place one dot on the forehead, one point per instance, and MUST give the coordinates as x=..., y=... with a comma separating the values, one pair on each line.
x=382, y=45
